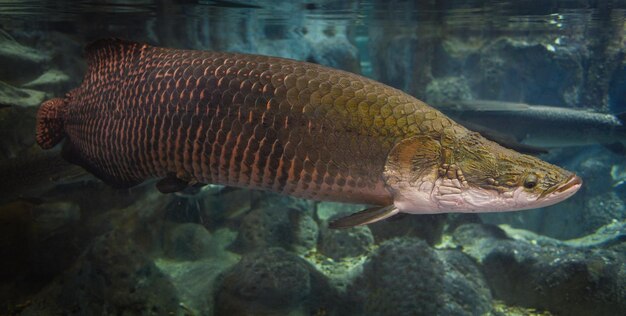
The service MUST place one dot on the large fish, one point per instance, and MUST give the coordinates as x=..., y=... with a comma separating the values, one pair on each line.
x=195, y=117
x=541, y=125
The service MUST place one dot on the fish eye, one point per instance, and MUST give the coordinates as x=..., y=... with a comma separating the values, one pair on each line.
x=530, y=181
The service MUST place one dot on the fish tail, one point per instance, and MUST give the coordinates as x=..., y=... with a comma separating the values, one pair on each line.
x=50, y=122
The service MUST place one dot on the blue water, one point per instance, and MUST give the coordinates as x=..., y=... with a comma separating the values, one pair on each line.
x=72, y=245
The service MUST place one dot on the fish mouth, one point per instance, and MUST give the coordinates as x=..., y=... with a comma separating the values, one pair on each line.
x=573, y=182
x=569, y=187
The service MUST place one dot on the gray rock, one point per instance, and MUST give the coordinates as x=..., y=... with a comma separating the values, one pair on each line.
x=324, y=211
x=446, y=89
x=407, y=277
x=18, y=130
x=263, y=199
x=427, y=227
x=617, y=99
x=609, y=236
x=403, y=277
x=187, y=242
x=53, y=238
x=195, y=281
x=341, y=243
x=227, y=204
x=404, y=60
x=52, y=81
x=40, y=240
x=277, y=227
x=305, y=232
x=506, y=69
x=465, y=290
x=331, y=47
x=10, y=95
x=601, y=210
x=22, y=62
x=113, y=276
x=269, y=282
x=559, y=278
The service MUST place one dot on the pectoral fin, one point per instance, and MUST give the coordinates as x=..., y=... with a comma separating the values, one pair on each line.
x=364, y=217
x=171, y=184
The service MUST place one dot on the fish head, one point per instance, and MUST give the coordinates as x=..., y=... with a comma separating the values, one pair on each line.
x=500, y=179
x=472, y=174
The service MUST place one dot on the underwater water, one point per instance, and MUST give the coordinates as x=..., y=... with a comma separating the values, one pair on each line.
x=543, y=77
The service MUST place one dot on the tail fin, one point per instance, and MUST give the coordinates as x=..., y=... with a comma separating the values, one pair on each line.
x=50, y=123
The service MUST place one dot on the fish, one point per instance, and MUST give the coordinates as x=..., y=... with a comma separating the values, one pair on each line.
x=190, y=117
x=33, y=173
x=540, y=126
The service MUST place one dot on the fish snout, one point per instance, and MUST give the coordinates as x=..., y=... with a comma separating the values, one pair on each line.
x=572, y=184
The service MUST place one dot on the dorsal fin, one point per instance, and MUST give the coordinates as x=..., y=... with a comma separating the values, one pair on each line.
x=111, y=54
x=109, y=43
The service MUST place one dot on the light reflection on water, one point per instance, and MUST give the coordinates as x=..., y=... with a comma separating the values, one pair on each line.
x=468, y=15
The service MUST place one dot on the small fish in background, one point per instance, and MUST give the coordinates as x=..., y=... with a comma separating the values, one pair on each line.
x=531, y=128
x=197, y=117
x=36, y=172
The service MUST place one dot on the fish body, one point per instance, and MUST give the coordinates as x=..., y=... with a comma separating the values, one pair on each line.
x=540, y=125
x=270, y=123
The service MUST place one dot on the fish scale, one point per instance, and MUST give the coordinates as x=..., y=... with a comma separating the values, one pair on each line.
x=235, y=119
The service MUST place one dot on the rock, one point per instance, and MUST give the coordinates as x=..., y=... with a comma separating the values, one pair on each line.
x=187, y=242
x=196, y=280
x=305, y=232
x=324, y=211
x=403, y=60
x=506, y=69
x=53, y=238
x=16, y=222
x=113, y=276
x=601, y=210
x=39, y=239
x=17, y=125
x=446, y=89
x=341, y=243
x=331, y=47
x=468, y=234
x=427, y=227
x=336, y=52
x=548, y=275
x=22, y=63
x=465, y=290
x=10, y=95
x=263, y=199
x=617, y=99
x=404, y=276
x=52, y=81
x=608, y=236
x=268, y=282
x=228, y=204
x=277, y=227
x=594, y=166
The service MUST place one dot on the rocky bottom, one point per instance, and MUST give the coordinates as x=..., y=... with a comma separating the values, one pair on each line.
x=158, y=254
